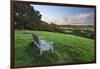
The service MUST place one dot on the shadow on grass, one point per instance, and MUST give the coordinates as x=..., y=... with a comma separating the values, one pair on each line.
x=31, y=55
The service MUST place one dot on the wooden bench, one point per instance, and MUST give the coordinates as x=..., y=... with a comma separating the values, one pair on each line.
x=42, y=44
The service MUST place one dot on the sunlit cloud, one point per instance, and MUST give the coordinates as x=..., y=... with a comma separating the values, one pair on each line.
x=54, y=20
x=80, y=19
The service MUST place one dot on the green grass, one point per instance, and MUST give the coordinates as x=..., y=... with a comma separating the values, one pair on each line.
x=67, y=49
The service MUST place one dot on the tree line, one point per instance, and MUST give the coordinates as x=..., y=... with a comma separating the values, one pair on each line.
x=26, y=17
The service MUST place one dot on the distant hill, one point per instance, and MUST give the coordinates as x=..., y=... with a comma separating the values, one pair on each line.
x=77, y=26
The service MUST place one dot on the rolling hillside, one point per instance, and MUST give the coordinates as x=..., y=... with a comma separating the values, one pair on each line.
x=67, y=49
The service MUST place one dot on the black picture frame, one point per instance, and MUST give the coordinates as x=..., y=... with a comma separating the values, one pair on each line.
x=46, y=3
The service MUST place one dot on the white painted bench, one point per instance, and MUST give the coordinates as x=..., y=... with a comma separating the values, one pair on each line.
x=42, y=44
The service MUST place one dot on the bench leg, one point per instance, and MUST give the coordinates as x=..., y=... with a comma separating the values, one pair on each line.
x=41, y=52
x=52, y=49
x=51, y=43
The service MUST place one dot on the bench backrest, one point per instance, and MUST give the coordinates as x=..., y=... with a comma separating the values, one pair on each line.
x=35, y=38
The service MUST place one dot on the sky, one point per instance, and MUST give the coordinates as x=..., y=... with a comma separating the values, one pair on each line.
x=63, y=15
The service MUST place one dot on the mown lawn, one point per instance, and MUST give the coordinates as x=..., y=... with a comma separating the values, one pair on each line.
x=67, y=49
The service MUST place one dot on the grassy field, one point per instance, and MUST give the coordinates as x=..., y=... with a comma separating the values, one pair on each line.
x=67, y=49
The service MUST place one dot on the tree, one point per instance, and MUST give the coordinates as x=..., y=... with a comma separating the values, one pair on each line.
x=26, y=17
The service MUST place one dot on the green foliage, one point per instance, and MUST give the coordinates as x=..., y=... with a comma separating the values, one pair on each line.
x=67, y=48
x=89, y=33
x=83, y=32
x=76, y=31
x=26, y=17
x=79, y=30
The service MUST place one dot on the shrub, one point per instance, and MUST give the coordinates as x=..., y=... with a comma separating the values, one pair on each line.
x=88, y=33
x=76, y=31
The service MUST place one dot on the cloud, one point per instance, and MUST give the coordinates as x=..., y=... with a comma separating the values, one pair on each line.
x=49, y=20
x=80, y=19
